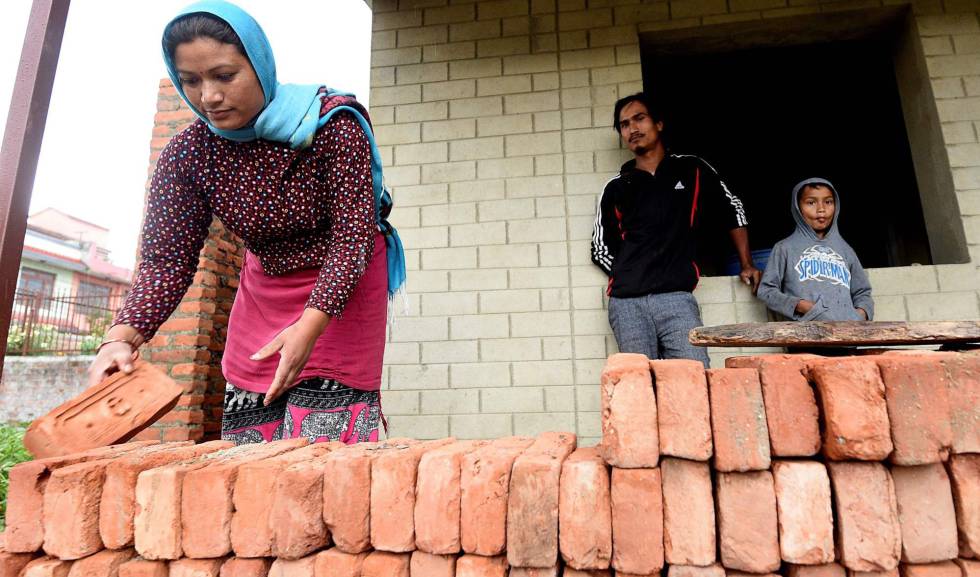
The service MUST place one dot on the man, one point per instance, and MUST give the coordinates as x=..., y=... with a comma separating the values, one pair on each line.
x=644, y=237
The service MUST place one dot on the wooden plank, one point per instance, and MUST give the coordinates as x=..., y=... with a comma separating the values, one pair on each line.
x=842, y=333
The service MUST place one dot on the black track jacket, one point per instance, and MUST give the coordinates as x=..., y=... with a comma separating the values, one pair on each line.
x=643, y=236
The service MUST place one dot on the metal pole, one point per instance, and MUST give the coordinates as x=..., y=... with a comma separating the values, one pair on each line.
x=22, y=142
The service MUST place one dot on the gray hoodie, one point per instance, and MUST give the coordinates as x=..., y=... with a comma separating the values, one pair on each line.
x=824, y=271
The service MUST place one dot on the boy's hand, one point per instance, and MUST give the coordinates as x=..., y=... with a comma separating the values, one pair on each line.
x=862, y=312
x=803, y=306
x=751, y=276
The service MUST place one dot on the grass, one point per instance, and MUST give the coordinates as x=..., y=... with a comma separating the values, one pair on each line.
x=12, y=451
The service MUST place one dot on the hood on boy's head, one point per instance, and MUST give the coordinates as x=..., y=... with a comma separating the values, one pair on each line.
x=801, y=225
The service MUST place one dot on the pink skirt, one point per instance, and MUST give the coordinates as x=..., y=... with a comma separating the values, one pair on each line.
x=350, y=350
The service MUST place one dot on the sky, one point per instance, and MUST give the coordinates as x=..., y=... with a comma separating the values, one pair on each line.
x=96, y=146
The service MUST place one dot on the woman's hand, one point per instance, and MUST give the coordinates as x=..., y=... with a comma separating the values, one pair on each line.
x=115, y=356
x=803, y=306
x=294, y=345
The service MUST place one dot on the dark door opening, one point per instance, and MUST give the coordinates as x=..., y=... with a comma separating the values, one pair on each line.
x=766, y=118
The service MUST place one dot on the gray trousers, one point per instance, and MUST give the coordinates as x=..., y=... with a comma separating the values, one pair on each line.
x=657, y=325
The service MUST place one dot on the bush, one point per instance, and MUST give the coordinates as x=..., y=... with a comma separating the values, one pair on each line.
x=12, y=451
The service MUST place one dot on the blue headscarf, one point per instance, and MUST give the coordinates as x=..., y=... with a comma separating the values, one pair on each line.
x=291, y=114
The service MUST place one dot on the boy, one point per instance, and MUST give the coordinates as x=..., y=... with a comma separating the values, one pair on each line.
x=813, y=275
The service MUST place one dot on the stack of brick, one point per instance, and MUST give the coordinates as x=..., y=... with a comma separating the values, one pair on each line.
x=807, y=466
x=798, y=464
x=293, y=509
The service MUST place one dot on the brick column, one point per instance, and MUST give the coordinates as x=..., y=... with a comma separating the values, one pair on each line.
x=189, y=345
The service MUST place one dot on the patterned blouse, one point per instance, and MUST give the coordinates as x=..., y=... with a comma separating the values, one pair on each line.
x=293, y=209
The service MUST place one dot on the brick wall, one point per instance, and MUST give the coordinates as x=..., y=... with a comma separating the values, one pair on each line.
x=493, y=122
x=699, y=474
x=189, y=345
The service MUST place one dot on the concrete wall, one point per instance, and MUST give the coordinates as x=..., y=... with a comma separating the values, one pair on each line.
x=32, y=386
x=493, y=122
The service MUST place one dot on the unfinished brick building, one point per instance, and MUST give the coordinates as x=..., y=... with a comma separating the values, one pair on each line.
x=494, y=119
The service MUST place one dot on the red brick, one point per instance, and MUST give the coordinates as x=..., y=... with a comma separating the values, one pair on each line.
x=852, y=399
x=791, y=406
x=296, y=516
x=335, y=563
x=823, y=570
x=585, y=511
x=384, y=564
x=963, y=378
x=747, y=529
x=393, y=478
x=806, y=522
x=437, y=498
x=480, y=566
x=689, y=513
x=25, y=494
x=105, y=563
x=733, y=573
x=941, y=569
x=964, y=475
x=11, y=564
x=157, y=524
x=150, y=434
x=713, y=570
x=629, y=413
x=595, y=573
x=869, y=536
x=196, y=567
x=889, y=573
x=536, y=571
x=255, y=492
x=183, y=433
x=347, y=500
x=71, y=510
x=738, y=420
x=968, y=568
x=45, y=567
x=244, y=567
x=302, y=567
x=206, y=500
x=144, y=568
x=755, y=361
x=117, y=506
x=683, y=410
x=916, y=391
x=483, y=506
x=532, y=506
x=637, y=521
x=925, y=513
x=431, y=565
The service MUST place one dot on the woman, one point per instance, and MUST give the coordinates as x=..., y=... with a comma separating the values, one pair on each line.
x=299, y=183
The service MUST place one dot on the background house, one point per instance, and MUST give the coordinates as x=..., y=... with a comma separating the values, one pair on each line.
x=67, y=287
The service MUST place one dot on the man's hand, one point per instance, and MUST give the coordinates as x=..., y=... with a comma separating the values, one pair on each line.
x=863, y=313
x=751, y=276
x=294, y=345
